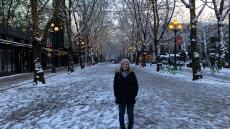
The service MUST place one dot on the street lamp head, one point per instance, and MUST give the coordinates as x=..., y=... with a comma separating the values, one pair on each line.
x=130, y=48
x=180, y=27
x=56, y=29
x=171, y=27
x=175, y=22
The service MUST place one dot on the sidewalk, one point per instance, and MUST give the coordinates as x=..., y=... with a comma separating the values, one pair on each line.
x=16, y=80
x=186, y=74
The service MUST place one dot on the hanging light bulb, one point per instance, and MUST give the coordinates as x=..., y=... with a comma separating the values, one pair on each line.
x=52, y=24
x=171, y=27
x=56, y=29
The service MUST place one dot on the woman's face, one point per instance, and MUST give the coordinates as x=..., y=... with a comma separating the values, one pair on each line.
x=125, y=66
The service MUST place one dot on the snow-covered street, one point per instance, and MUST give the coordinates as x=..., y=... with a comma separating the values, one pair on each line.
x=84, y=100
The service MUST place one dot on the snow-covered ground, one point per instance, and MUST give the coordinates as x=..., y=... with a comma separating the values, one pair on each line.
x=84, y=100
x=219, y=79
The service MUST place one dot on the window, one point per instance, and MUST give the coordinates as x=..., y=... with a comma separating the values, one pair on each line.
x=4, y=60
x=13, y=61
x=8, y=60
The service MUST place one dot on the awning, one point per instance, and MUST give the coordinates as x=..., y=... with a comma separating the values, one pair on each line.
x=2, y=41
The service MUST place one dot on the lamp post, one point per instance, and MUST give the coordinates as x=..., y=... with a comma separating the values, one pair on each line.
x=175, y=27
x=81, y=44
x=53, y=29
x=133, y=50
x=91, y=55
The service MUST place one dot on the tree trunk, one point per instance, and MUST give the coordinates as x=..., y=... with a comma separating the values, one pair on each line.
x=37, y=42
x=69, y=35
x=221, y=43
x=157, y=54
x=3, y=16
x=155, y=33
x=196, y=69
x=38, y=71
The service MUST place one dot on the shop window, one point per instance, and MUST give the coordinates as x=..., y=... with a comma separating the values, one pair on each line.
x=25, y=56
x=4, y=61
x=13, y=61
x=8, y=60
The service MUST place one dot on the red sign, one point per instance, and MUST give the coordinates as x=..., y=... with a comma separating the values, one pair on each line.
x=179, y=40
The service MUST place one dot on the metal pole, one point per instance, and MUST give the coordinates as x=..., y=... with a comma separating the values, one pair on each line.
x=53, y=54
x=169, y=59
x=175, y=65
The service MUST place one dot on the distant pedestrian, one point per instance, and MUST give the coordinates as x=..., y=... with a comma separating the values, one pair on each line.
x=125, y=92
x=204, y=64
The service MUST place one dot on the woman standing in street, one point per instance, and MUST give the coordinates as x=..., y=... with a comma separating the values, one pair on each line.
x=125, y=92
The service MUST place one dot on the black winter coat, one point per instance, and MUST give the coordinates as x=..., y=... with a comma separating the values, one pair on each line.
x=125, y=88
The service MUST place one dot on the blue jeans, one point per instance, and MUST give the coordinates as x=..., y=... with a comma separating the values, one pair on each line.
x=130, y=108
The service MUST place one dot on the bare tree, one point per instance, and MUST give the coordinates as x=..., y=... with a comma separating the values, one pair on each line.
x=8, y=9
x=39, y=40
x=160, y=24
x=89, y=17
x=221, y=11
x=196, y=69
x=68, y=23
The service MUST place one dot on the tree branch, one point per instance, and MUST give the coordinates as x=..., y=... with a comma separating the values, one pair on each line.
x=201, y=10
x=187, y=5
